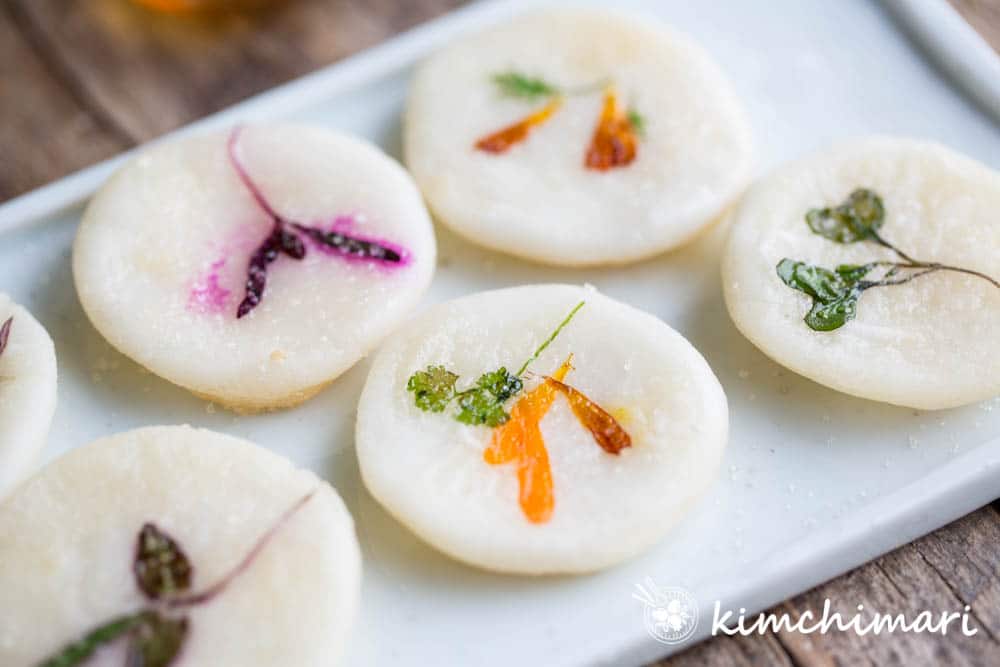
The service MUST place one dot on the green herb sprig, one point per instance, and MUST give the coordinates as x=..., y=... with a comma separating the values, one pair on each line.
x=637, y=121
x=835, y=293
x=163, y=574
x=512, y=83
x=515, y=84
x=481, y=404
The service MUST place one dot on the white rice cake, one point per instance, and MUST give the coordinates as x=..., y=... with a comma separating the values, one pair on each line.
x=537, y=199
x=166, y=249
x=27, y=390
x=430, y=470
x=931, y=342
x=68, y=538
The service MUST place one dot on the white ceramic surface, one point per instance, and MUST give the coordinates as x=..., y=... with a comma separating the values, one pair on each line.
x=813, y=483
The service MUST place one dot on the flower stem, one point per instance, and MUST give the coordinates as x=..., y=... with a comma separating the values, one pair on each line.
x=587, y=89
x=958, y=269
x=926, y=269
x=80, y=650
x=221, y=585
x=911, y=263
x=552, y=337
x=882, y=242
x=284, y=238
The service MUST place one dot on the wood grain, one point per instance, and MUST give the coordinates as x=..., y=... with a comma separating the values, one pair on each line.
x=44, y=129
x=81, y=81
x=942, y=572
x=130, y=74
x=984, y=16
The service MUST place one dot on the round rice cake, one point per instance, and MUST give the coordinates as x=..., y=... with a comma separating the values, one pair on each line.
x=27, y=390
x=562, y=467
x=871, y=268
x=576, y=137
x=219, y=549
x=253, y=266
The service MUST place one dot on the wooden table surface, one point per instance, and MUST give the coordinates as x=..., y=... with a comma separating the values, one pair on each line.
x=81, y=81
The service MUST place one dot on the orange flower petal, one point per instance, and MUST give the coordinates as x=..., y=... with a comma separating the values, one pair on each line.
x=502, y=140
x=607, y=432
x=614, y=143
x=534, y=476
x=520, y=440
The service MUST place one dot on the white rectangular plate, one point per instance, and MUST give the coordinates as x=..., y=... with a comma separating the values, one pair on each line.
x=813, y=482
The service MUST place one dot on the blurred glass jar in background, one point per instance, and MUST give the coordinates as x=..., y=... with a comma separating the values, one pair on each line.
x=201, y=5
